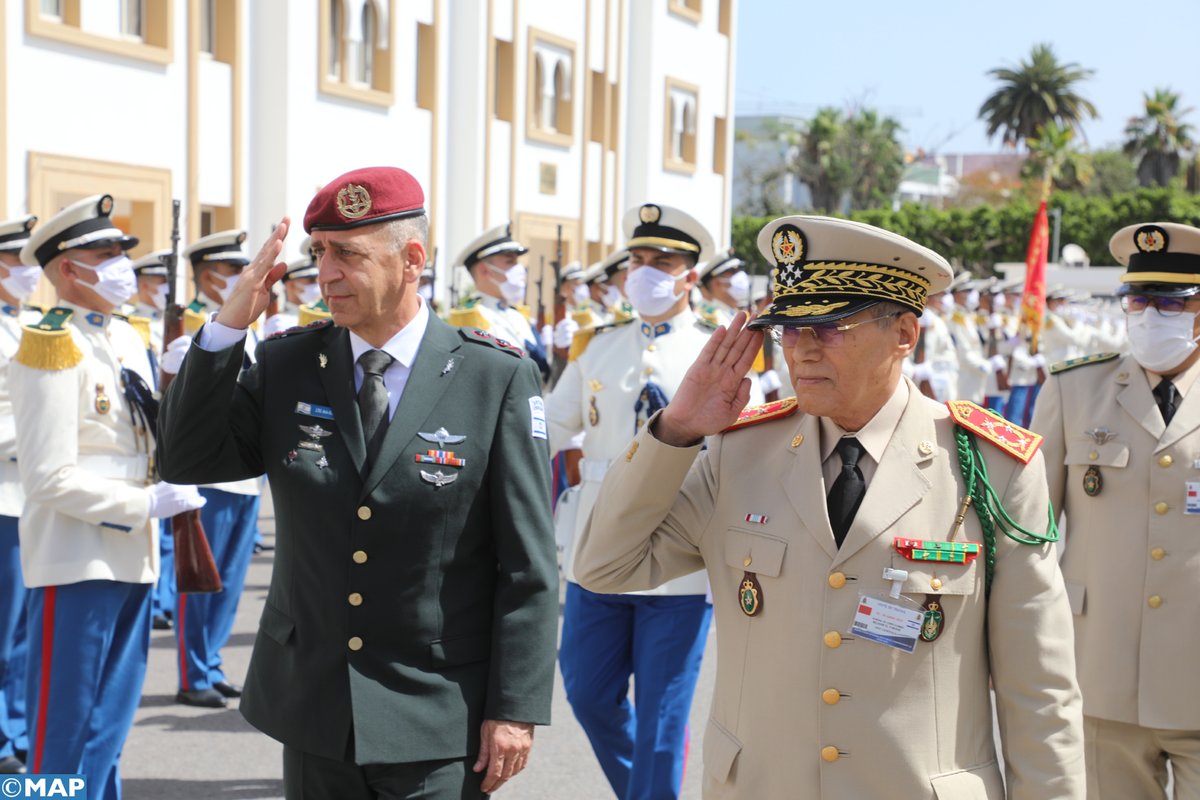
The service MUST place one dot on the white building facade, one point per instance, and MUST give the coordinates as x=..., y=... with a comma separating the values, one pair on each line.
x=554, y=114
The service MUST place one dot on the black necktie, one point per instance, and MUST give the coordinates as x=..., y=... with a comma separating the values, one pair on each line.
x=1167, y=398
x=848, y=490
x=373, y=399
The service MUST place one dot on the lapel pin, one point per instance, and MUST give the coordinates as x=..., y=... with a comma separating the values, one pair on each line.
x=1101, y=435
x=439, y=479
x=442, y=437
x=449, y=366
x=798, y=440
x=323, y=360
x=925, y=448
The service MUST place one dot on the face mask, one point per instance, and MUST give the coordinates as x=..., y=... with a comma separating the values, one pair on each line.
x=21, y=281
x=581, y=294
x=946, y=302
x=652, y=291
x=310, y=294
x=972, y=300
x=512, y=288
x=1161, y=343
x=159, y=300
x=117, y=280
x=999, y=302
x=739, y=288
x=612, y=296
x=224, y=291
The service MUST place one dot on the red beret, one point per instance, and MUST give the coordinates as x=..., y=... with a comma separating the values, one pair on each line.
x=364, y=197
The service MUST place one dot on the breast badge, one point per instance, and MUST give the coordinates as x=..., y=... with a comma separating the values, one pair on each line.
x=315, y=434
x=1092, y=481
x=750, y=595
x=593, y=413
x=439, y=478
x=935, y=618
x=102, y=403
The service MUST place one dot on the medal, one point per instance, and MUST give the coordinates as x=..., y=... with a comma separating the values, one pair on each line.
x=750, y=595
x=439, y=479
x=291, y=456
x=593, y=413
x=935, y=618
x=103, y=404
x=1092, y=482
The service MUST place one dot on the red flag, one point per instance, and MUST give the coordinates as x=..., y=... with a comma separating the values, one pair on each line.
x=1033, y=300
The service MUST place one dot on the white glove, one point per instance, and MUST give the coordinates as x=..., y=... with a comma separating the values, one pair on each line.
x=922, y=372
x=769, y=381
x=547, y=336
x=564, y=332
x=995, y=321
x=172, y=359
x=1039, y=360
x=169, y=499
x=998, y=362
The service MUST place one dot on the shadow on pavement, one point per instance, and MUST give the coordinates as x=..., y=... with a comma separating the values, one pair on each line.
x=165, y=789
x=225, y=720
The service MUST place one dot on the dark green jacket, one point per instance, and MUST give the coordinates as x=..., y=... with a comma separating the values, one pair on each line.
x=458, y=582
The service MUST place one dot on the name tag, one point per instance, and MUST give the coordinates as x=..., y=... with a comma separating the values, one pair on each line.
x=1193, y=497
x=889, y=623
x=324, y=412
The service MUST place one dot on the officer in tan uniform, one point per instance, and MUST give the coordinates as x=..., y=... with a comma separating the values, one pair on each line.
x=862, y=608
x=1123, y=454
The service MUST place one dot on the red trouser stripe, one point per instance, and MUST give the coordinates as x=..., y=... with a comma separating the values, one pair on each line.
x=183, y=678
x=39, y=745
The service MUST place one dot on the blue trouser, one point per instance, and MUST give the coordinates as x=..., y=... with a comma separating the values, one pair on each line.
x=87, y=660
x=163, y=602
x=657, y=640
x=1020, y=404
x=12, y=642
x=203, y=622
x=995, y=402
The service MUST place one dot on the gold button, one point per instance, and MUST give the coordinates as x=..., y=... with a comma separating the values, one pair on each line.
x=1093, y=455
x=1161, y=507
x=830, y=754
x=1165, y=460
x=1155, y=601
x=355, y=643
x=831, y=697
x=355, y=599
x=1158, y=553
x=837, y=580
x=651, y=347
x=360, y=556
x=935, y=584
x=833, y=639
x=747, y=561
x=364, y=513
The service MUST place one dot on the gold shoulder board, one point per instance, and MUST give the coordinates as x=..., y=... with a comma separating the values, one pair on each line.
x=1018, y=442
x=580, y=342
x=193, y=320
x=463, y=317
x=1072, y=363
x=764, y=413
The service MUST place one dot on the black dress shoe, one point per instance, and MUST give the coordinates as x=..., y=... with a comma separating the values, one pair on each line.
x=161, y=623
x=263, y=547
x=228, y=689
x=11, y=765
x=204, y=698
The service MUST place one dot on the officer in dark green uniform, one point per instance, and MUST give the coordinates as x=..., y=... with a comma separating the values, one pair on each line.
x=407, y=645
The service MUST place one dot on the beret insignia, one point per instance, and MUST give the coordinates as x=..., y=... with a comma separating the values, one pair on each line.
x=353, y=201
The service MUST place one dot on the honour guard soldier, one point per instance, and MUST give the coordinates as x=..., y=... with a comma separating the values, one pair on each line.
x=497, y=306
x=204, y=622
x=300, y=290
x=1123, y=453
x=575, y=294
x=975, y=366
x=725, y=287
x=595, y=278
x=89, y=554
x=17, y=282
x=618, y=377
x=935, y=359
x=863, y=606
x=411, y=665
x=616, y=270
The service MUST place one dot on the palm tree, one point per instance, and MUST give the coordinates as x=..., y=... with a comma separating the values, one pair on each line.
x=1033, y=94
x=1159, y=140
x=1054, y=161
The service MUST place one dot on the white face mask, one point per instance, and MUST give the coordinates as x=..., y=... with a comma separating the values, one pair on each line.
x=739, y=288
x=999, y=302
x=946, y=302
x=426, y=291
x=1161, y=343
x=652, y=291
x=512, y=288
x=224, y=291
x=972, y=302
x=117, y=280
x=159, y=298
x=581, y=294
x=310, y=294
x=612, y=296
x=21, y=281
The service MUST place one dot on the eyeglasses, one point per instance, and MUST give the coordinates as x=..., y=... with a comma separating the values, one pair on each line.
x=1167, y=306
x=827, y=334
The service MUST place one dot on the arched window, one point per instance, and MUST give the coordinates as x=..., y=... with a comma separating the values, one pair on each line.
x=539, y=82
x=336, y=28
x=366, y=48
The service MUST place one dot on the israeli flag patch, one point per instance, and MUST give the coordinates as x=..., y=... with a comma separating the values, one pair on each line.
x=537, y=418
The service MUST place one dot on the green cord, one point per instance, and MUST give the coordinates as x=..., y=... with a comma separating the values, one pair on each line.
x=989, y=509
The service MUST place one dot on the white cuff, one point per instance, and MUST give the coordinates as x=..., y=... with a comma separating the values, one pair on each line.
x=998, y=362
x=215, y=337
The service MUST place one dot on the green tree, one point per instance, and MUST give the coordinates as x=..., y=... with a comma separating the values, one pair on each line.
x=1113, y=172
x=1159, y=140
x=850, y=160
x=1033, y=94
x=1054, y=161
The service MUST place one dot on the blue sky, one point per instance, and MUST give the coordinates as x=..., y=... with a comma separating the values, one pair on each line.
x=925, y=62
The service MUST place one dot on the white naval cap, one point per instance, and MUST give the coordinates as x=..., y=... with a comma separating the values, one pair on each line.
x=726, y=262
x=497, y=240
x=84, y=223
x=300, y=268
x=616, y=262
x=667, y=229
x=152, y=263
x=221, y=246
x=594, y=273
x=571, y=272
x=14, y=233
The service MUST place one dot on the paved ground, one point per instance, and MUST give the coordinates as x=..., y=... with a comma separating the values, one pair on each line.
x=180, y=753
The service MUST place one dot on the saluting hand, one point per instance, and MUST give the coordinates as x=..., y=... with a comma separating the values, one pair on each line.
x=715, y=389
x=252, y=294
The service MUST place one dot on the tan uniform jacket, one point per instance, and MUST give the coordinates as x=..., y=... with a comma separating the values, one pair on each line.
x=1132, y=554
x=801, y=708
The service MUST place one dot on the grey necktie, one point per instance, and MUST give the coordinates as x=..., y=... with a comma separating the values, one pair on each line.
x=373, y=400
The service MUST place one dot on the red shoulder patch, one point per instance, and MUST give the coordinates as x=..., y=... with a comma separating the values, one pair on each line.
x=312, y=326
x=1018, y=442
x=764, y=413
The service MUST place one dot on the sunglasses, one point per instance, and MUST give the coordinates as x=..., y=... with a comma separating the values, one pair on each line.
x=828, y=334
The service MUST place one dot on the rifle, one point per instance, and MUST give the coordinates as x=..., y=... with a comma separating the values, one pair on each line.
x=541, y=300
x=768, y=344
x=195, y=570
x=560, y=305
